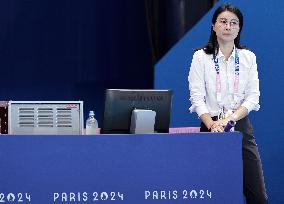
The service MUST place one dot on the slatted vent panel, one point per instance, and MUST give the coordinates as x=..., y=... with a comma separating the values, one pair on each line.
x=44, y=117
x=63, y=117
x=26, y=117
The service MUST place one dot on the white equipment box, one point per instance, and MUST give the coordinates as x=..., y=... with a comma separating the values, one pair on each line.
x=45, y=117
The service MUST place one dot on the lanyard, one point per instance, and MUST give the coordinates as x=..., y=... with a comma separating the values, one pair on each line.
x=218, y=78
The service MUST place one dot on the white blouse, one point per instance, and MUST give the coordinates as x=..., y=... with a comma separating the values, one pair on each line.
x=202, y=82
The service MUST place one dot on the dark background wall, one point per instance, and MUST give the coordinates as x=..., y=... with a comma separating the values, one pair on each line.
x=74, y=50
x=263, y=33
x=169, y=20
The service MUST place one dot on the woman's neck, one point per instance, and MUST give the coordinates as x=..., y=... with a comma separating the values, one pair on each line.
x=226, y=49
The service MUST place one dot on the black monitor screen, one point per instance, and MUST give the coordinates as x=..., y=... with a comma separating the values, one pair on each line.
x=119, y=104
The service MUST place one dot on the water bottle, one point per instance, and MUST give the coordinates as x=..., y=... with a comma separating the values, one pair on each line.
x=91, y=124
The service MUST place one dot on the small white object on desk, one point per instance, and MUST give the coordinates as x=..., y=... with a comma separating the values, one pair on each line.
x=142, y=121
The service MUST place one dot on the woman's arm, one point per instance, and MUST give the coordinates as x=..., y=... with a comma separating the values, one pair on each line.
x=197, y=85
x=240, y=113
x=252, y=93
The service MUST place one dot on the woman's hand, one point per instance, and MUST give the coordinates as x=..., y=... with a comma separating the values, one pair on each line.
x=223, y=122
x=217, y=127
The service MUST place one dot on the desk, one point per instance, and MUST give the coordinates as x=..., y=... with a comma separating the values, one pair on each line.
x=134, y=169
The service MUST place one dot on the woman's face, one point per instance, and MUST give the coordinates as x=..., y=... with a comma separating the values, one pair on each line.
x=226, y=27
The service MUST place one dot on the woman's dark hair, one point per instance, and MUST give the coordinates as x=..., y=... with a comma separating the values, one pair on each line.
x=212, y=45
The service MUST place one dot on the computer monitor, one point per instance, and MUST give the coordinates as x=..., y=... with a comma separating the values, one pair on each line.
x=119, y=104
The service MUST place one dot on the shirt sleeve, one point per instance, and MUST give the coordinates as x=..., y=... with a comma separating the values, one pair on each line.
x=197, y=86
x=252, y=92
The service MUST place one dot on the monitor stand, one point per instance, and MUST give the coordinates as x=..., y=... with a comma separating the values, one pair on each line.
x=142, y=121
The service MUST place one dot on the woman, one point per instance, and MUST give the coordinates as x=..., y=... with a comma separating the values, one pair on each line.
x=224, y=86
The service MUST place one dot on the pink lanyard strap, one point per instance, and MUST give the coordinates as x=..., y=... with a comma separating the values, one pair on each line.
x=218, y=78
